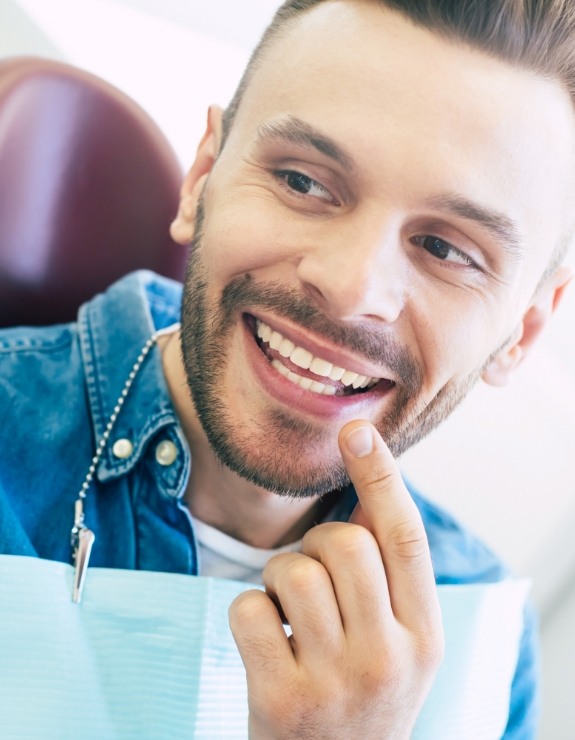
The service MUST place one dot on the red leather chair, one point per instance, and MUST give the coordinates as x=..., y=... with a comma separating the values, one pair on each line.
x=88, y=187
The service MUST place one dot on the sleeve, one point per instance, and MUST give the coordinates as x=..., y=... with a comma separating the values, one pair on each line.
x=524, y=706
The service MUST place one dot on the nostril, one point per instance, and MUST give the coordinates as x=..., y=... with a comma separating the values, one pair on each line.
x=315, y=294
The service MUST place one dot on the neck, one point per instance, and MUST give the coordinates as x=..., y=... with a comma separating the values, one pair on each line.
x=219, y=497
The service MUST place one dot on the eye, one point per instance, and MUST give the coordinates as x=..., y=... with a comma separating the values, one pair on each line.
x=305, y=185
x=444, y=251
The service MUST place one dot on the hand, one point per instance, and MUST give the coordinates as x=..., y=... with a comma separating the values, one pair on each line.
x=362, y=605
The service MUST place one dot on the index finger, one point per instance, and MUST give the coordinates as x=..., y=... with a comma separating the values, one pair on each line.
x=389, y=512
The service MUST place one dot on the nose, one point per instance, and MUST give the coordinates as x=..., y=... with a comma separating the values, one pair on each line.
x=357, y=271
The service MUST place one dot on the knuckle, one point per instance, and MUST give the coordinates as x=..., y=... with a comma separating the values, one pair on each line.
x=406, y=541
x=391, y=670
x=314, y=537
x=375, y=480
x=347, y=539
x=351, y=539
x=246, y=609
x=302, y=576
x=375, y=683
x=381, y=681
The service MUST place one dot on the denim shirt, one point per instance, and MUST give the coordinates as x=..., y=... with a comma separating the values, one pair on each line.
x=58, y=389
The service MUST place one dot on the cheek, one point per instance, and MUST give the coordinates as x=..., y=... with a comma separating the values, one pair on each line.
x=243, y=239
x=455, y=341
x=249, y=227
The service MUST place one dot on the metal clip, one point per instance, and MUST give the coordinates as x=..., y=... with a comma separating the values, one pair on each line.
x=82, y=541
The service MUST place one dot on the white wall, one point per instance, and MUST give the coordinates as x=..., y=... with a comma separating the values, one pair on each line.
x=19, y=33
x=505, y=461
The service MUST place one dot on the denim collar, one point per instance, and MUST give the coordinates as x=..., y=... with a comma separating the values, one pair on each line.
x=113, y=328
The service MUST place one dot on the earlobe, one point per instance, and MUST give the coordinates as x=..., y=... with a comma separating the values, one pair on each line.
x=182, y=227
x=545, y=303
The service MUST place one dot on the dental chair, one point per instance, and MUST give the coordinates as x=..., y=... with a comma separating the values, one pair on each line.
x=88, y=187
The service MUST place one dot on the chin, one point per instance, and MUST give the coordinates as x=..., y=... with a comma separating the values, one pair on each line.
x=282, y=454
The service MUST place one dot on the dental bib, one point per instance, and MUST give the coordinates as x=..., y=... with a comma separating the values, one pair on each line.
x=150, y=656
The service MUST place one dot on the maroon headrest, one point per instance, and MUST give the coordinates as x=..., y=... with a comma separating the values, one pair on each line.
x=88, y=187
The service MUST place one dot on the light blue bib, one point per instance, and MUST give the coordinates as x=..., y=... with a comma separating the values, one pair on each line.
x=150, y=656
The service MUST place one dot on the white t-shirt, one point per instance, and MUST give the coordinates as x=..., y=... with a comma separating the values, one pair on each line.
x=222, y=556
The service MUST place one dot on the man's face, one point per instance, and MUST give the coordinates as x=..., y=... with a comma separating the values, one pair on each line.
x=379, y=217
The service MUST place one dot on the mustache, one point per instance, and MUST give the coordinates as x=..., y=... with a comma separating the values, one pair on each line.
x=377, y=346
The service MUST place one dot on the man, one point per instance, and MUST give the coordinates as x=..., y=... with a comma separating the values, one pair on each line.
x=377, y=221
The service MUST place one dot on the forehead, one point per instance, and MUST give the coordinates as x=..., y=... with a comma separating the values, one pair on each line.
x=398, y=96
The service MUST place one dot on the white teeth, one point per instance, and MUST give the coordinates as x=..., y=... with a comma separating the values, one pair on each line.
x=348, y=377
x=264, y=331
x=336, y=373
x=275, y=340
x=305, y=383
x=326, y=390
x=281, y=368
x=359, y=381
x=286, y=348
x=301, y=357
x=320, y=367
x=304, y=359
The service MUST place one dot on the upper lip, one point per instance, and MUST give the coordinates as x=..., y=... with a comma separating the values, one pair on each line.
x=320, y=347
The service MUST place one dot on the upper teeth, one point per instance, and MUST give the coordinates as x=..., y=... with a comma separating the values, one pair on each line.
x=304, y=359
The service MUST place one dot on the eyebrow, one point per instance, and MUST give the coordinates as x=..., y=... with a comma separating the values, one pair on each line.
x=295, y=131
x=500, y=226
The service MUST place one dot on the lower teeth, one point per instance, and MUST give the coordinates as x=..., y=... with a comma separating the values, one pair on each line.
x=309, y=384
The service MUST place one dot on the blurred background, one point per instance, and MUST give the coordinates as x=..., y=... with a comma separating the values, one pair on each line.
x=505, y=462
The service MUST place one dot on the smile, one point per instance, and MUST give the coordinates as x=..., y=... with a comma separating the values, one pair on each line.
x=307, y=371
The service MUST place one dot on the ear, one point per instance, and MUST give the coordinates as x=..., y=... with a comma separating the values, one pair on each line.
x=182, y=227
x=544, y=304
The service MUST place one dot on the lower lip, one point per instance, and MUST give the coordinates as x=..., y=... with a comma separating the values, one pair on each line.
x=305, y=401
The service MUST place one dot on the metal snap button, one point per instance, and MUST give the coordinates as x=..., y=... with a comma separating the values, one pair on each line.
x=122, y=448
x=166, y=452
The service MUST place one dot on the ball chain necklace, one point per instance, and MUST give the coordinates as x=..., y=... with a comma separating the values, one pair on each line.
x=82, y=538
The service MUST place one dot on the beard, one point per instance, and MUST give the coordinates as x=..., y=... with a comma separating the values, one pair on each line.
x=278, y=455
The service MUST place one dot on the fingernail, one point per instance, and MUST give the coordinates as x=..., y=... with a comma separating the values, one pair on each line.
x=360, y=441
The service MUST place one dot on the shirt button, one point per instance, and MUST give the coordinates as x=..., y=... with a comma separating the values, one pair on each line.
x=122, y=448
x=166, y=452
